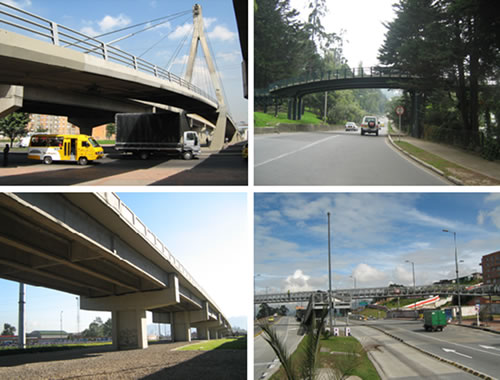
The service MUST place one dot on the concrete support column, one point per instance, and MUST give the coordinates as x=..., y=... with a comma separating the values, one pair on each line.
x=300, y=111
x=181, y=326
x=289, y=109
x=11, y=99
x=129, y=329
x=214, y=334
x=203, y=333
x=294, y=109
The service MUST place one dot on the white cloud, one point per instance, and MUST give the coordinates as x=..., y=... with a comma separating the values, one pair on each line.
x=297, y=282
x=89, y=31
x=233, y=56
x=402, y=276
x=480, y=217
x=109, y=22
x=494, y=197
x=495, y=216
x=207, y=21
x=221, y=33
x=367, y=274
x=19, y=3
x=181, y=31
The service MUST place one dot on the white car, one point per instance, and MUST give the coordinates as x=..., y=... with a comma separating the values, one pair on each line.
x=350, y=126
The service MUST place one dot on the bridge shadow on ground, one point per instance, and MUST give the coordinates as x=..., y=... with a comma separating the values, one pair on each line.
x=50, y=356
x=74, y=175
x=220, y=364
x=226, y=167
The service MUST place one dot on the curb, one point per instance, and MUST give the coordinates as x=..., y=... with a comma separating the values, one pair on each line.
x=455, y=364
x=450, y=178
x=479, y=328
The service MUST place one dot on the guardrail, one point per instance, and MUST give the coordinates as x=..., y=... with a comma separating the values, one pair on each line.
x=63, y=36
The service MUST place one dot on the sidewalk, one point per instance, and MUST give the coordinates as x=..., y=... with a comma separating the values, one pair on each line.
x=468, y=160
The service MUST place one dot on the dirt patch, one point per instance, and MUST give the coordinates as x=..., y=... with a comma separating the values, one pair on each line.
x=155, y=362
x=471, y=178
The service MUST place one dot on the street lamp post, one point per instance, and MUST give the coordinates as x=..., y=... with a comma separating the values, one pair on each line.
x=457, y=280
x=329, y=279
x=60, y=333
x=354, y=280
x=414, y=289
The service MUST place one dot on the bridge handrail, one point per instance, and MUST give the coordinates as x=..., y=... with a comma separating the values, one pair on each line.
x=358, y=72
x=89, y=45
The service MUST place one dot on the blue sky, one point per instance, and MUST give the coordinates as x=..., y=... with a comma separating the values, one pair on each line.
x=372, y=236
x=206, y=232
x=94, y=17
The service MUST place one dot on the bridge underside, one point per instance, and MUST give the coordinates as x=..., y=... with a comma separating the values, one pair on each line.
x=48, y=240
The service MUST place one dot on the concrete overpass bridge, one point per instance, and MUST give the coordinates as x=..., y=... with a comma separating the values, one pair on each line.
x=93, y=245
x=381, y=292
x=52, y=69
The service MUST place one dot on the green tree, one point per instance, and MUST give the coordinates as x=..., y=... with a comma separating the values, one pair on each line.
x=110, y=130
x=107, y=328
x=14, y=125
x=8, y=329
x=95, y=329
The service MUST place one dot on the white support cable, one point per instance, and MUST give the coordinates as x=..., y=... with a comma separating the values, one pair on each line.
x=217, y=71
x=161, y=39
x=179, y=47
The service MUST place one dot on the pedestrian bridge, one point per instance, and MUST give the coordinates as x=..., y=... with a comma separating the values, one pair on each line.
x=295, y=89
x=46, y=67
x=93, y=245
x=381, y=292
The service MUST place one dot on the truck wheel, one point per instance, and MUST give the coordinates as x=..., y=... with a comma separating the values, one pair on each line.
x=47, y=160
x=83, y=161
x=187, y=155
x=362, y=133
x=143, y=155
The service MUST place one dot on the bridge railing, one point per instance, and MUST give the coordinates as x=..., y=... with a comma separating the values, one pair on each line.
x=346, y=73
x=60, y=35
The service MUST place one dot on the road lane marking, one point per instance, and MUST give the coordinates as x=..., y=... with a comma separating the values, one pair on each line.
x=447, y=342
x=455, y=352
x=489, y=347
x=295, y=151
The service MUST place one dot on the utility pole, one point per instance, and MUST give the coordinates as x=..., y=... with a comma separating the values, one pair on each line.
x=77, y=315
x=21, y=335
x=414, y=288
x=457, y=278
x=60, y=331
x=329, y=279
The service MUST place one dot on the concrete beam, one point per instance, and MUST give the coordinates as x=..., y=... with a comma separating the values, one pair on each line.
x=11, y=99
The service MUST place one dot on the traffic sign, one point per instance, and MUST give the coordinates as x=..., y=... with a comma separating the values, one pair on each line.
x=400, y=110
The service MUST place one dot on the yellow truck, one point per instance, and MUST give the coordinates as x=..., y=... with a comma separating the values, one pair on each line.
x=72, y=148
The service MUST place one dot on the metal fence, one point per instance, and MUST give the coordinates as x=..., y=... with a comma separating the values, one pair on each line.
x=36, y=26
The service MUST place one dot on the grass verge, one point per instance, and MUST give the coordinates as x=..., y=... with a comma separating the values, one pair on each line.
x=218, y=344
x=468, y=177
x=262, y=119
x=361, y=366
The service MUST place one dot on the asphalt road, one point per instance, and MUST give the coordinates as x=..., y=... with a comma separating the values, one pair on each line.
x=265, y=360
x=396, y=361
x=335, y=158
x=472, y=348
x=225, y=168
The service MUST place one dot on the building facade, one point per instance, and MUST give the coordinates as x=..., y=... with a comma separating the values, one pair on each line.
x=491, y=268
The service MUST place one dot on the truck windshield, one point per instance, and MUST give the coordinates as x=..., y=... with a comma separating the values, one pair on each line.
x=94, y=143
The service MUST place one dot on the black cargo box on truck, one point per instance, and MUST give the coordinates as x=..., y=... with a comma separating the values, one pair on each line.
x=147, y=133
